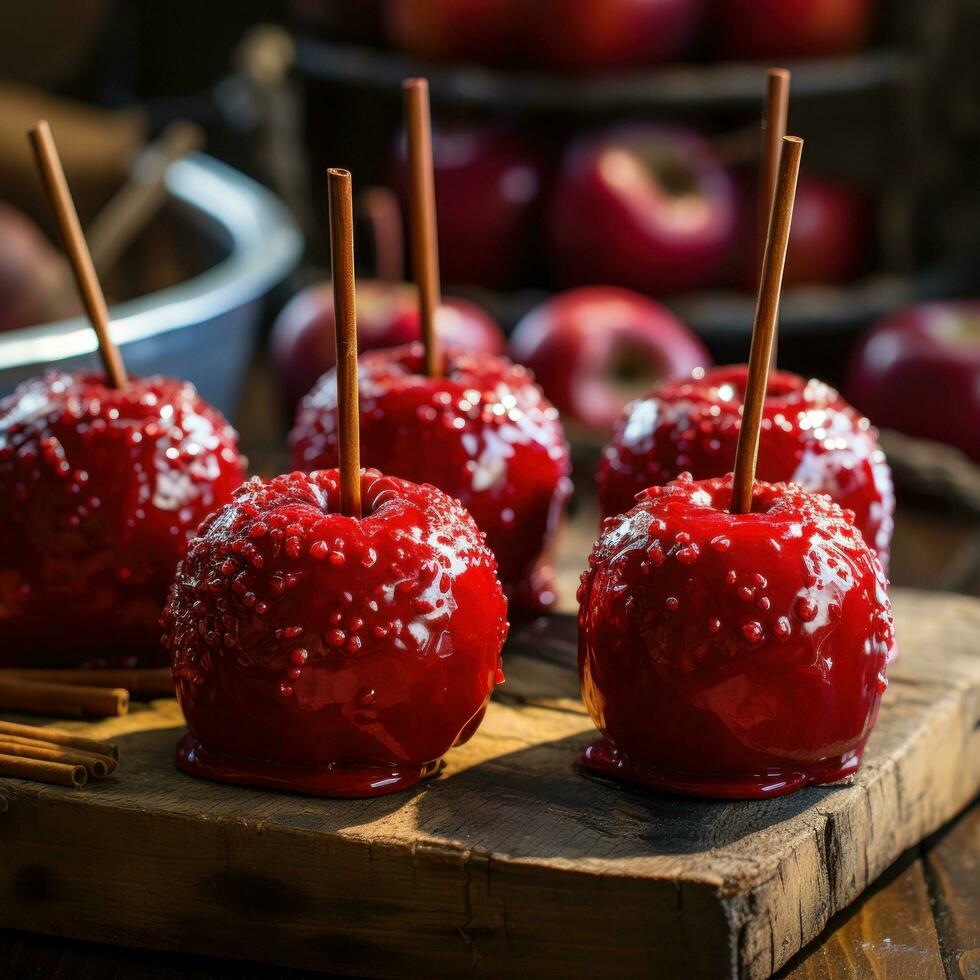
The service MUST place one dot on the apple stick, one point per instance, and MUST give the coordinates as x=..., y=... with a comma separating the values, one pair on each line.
x=422, y=214
x=53, y=175
x=764, y=325
x=774, y=114
x=380, y=207
x=342, y=262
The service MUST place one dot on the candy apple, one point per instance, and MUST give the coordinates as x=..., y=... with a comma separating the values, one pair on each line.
x=793, y=28
x=302, y=346
x=328, y=654
x=596, y=348
x=488, y=185
x=809, y=436
x=918, y=371
x=100, y=490
x=482, y=431
x=643, y=206
x=485, y=31
x=732, y=655
x=589, y=35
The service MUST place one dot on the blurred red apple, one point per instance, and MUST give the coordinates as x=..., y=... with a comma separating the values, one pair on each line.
x=831, y=239
x=488, y=181
x=586, y=35
x=918, y=371
x=454, y=30
x=792, y=28
x=643, y=206
x=595, y=349
x=35, y=282
x=302, y=343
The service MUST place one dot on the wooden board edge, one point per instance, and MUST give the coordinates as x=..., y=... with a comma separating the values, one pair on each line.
x=934, y=781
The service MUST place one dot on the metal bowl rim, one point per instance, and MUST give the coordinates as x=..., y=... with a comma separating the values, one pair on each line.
x=266, y=245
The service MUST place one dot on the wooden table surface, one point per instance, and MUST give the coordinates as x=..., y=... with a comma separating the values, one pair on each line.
x=921, y=918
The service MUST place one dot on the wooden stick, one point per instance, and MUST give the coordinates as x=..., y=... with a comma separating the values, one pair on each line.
x=422, y=215
x=38, y=771
x=140, y=682
x=57, y=736
x=97, y=766
x=380, y=207
x=42, y=698
x=774, y=116
x=53, y=175
x=345, y=307
x=764, y=325
x=134, y=205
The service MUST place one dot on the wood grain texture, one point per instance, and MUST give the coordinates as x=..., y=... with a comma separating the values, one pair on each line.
x=952, y=870
x=510, y=863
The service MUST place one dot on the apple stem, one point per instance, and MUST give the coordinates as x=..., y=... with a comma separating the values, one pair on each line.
x=422, y=213
x=345, y=307
x=379, y=206
x=55, y=183
x=774, y=115
x=764, y=325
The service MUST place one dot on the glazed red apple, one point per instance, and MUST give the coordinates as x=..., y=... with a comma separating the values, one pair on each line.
x=482, y=432
x=809, y=436
x=488, y=186
x=596, y=348
x=100, y=490
x=732, y=655
x=35, y=281
x=302, y=342
x=831, y=239
x=793, y=28
x=918, y=371
x=484, y=31
x=643, y=206
x=589, y=35
x=327, y=654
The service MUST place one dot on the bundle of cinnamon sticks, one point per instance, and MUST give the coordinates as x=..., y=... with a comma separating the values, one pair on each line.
x=49, y=755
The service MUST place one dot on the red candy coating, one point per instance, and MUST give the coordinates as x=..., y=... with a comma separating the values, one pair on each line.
x=732, y=655
x=482, y=432
x=328, y=654
x=100, y=490
x=809, y=436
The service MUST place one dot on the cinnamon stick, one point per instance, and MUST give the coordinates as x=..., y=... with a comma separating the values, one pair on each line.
x=345, y=316
x=37, y=697
x=140, y=682
x=58, y=736
x=40, y=771
x=97, y=766
x=764, y=325
x=774, y=116
x=422, y=214
x=55, y=183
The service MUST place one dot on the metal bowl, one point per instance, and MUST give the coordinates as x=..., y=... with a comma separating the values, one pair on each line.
x=203, y=329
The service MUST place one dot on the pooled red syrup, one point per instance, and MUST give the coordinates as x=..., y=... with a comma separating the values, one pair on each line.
x=482, y=431
x=732, y=655
x=332, y=655
x=809, y=436
x=100, y=489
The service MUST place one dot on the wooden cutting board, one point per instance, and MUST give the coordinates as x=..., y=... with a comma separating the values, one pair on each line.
x=510, y=862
